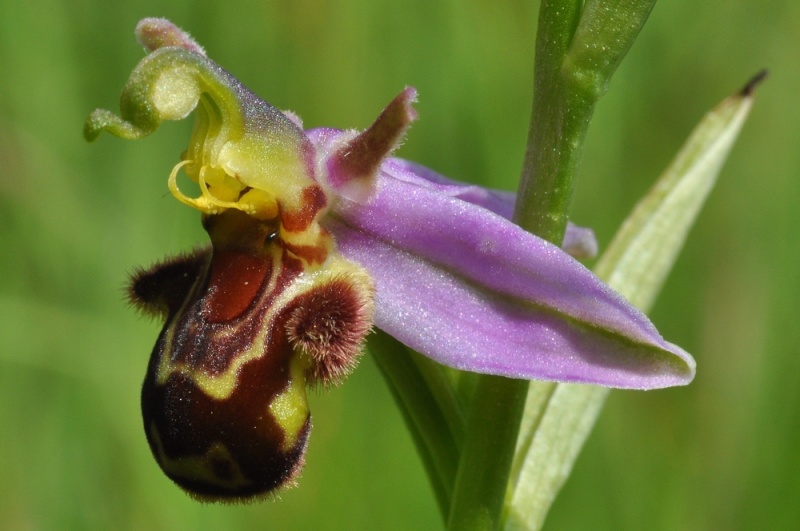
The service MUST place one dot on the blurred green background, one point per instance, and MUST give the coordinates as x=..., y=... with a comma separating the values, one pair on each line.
x=75, y=218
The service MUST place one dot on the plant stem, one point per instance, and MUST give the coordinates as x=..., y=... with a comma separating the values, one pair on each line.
x=578, y=47
x=556, y=128
x=498, y=404
x=483, y=470
x=574, y=63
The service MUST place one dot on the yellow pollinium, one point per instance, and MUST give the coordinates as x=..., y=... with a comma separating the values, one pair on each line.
x=220, y=191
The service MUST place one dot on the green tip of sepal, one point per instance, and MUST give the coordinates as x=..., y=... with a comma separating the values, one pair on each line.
x=103, y=120
x=166, y=85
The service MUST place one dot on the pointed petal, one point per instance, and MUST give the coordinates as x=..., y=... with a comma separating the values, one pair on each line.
x=354, y=166
x=475, y=292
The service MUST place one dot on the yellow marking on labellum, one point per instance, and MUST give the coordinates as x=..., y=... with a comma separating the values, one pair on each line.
x=205, y=468
x=290, y=407
x=222, y=386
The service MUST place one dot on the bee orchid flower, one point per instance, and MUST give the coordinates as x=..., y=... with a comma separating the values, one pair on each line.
x=316, y=236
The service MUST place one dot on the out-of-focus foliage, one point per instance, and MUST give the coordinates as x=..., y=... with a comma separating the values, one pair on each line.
x=74, y=218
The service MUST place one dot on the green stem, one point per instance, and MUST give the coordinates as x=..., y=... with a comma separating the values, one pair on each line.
x=574, y=63
x=483, y=470
x=557, y=127
x=498, y=404
x=578, y=47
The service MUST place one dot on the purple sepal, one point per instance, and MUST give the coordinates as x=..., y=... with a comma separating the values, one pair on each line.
x=473, y=291
x=578, y=241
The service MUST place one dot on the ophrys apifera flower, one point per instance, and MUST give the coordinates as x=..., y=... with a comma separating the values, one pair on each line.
x=314, y=236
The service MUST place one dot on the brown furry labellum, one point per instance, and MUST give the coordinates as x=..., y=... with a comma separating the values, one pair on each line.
x=247, y=326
